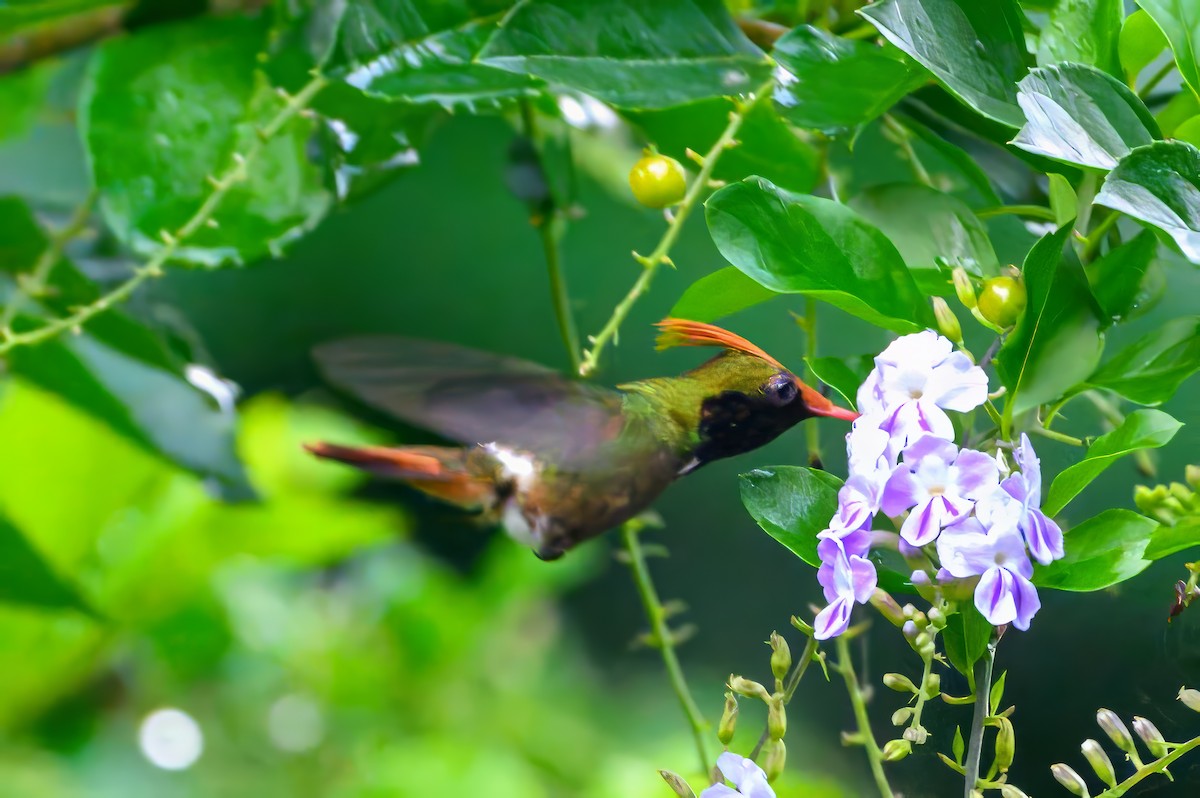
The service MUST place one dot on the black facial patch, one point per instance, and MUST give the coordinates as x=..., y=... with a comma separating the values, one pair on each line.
x=733, y=423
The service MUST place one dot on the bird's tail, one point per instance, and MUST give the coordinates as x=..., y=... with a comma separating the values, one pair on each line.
x=440, y=471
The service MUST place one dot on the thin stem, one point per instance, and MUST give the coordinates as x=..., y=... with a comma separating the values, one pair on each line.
x=1096, y=236
x=902, y=138
x=1083, y=209
x=1157, y=766
x=39, y=275
x=651, y=262
x=921, y=693
x=1057, y=436
x=660, y=632
x=1156, y=78
x=221, y=186
x=874, y=754
x=789, y=689
x=1033, y=211
x=812, y=431
x=983, y=696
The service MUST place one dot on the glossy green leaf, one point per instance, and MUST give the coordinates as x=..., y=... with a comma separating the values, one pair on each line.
x=1117, y=277
x=1180, y=21
x=1104, y=550
x=117, y=370
x=1141, y=429
x=1168, y=540
x=166, y=108
x=843, y=375
x=1150, y=370
x=791, y=504
x=24, y=16
x=767, y=146
x=724, y=292
x=966, y=638
x=793, y=243
x=976, y=50
x=1063, y=199
x=935, y=232
x=953, y=169
x=423, y=52
x=829, y=83
x=26, y=578
x=1085, y=32
x=630, y=53
x=1082, y=116
x=1159, y=184
x=1057, y=340
x=21, y=96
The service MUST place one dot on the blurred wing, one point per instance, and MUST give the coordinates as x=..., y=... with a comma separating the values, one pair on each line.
x=471, y=396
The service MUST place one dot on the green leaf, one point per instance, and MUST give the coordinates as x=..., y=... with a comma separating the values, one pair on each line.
x=19, y=17
x=829, y=83
x=767, y=145
x=1102, y=551
x=966, y=638
x=1063, y=200
x=1180, y=21
x=1150, y=370
x=958, y=747
x=1168, y=540
x=722, y=293
x=934, y=232
x=1083, y=31
x=843, y=375
x=1082, y=116
x=630, y=53
x=1117, y=276
x=1159, y=184
x=26, y=578
x=792, y=504
x=423, y=52
x=793, y=243
x=21, y=96
x=1141, y=429
x=976, y=50
x=164, y=109
x=117, y=370
x=1057, y=340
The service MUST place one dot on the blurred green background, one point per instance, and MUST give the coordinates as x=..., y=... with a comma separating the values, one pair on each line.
x=349, y=638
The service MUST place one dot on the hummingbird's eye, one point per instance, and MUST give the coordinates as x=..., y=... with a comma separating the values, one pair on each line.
x=781, y=389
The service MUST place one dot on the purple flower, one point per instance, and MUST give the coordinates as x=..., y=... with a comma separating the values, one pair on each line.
x=748, y=777
x=939, y=483
x=1004, y=593
x=870, y=450
x=847, y=578
x=1042, y=535
x=915, y=380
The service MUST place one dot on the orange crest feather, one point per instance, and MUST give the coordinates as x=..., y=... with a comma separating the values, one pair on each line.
x=681, y=332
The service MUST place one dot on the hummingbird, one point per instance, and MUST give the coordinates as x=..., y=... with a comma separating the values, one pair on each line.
x=556, y=461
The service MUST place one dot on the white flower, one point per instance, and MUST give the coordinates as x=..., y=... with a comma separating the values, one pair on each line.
x=746, y=776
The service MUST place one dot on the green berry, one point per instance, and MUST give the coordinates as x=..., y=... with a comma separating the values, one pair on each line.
x=1002, y=301
x=657, y=181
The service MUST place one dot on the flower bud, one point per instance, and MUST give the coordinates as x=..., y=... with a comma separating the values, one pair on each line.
x=1151, y=736
x=1094, y=753
x=910, y=631
x=1006, y=745
x=963, y=288
x=804, y=626
x=888, y=607
x=1190, y=698
x=776, y=719
x=895, y=750
x=937, y=618
x=1191, y=475
x=916, y=735
x=781, y=656
x=1070, y=779
x=1011, y=791
x=1116, y=730
x=933, y=685
x=677, y=784
x=899, y=682
x=947, y=322
x=728, y=719
x=748, y=688
x=775, y=760
x=902, y=716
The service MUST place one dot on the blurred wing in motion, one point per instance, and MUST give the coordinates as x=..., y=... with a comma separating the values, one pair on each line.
x=473, y=397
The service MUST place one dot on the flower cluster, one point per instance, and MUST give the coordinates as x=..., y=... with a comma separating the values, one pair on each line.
x=963, y=516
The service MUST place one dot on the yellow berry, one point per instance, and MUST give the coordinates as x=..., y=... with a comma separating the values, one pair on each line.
x=657, y=181
x=1002, y=301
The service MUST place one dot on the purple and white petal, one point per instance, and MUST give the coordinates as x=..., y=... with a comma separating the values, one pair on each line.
x=975, y=473
x=995, y=596
x=833, y=620
x=1043, y=536
x=957, y=384
x=1027, y=602
x=749, y=778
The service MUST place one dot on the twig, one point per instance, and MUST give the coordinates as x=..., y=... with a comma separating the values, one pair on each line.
x=983, y=697
x=1057, y=436
x=660, y=633
x=1033, y=211
x=651, y=262
x=902, y=138
x=39, y=275
x=874, y=754
x=793, y=681
x=1149, y=769
x=172, y=241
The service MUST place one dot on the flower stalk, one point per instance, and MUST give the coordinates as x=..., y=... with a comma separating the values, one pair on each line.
x=845, y=667
x=983, y=691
